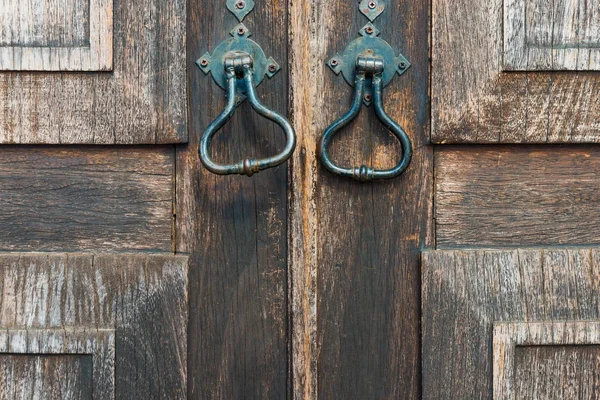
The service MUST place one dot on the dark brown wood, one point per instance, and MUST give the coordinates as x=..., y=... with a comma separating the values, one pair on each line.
x=517, y=196
x=354, y=248
x=474, y=101
x=73, y=199
x=235, y=227
x=46, y=297
x=468, y=294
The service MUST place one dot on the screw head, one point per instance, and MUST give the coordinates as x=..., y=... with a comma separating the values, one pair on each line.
x=335, y=62
x=204, y=62
x=240, y=5
x=402, y=65
x=369, y=30
x=272, y=68
x=241, y=31
x=372, y=5
x=368, y=97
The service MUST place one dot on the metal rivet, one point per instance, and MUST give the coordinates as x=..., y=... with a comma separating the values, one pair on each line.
x=240, y=5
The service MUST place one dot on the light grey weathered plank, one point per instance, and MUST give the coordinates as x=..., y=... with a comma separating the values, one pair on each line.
x=142, y=101
x=142, y=297
x=466, y=293
x=475, y=101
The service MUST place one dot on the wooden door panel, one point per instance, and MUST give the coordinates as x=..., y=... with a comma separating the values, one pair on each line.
x=476, y=100
x=86, y=198
x=516, y=196
x=480, y=305
x=354, y=247
x=96, y=72
x=235, y=227
x=127, y=312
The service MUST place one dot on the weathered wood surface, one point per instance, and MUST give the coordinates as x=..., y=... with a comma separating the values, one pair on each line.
x=142, y=297
x=516, y=196
x=465, y=293
x=473, y=101
x=235, y=227
x=546, y=360
x=73, y=199
x=64, y=377
x=61, y=363
x=354, y=248
x=556, y=35
x=56, y=35
x=143, y=101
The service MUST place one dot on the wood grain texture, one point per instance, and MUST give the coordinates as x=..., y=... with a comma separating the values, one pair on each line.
x=54, y=363
x=354, y=248
x=556, y=35
x=72, y=199
x=235, y=227
x=56, y=35
x=516, y=196
x=549, y=360
x=142, y=297
x=143, y=100
x=474, y=101
x=45, y=377
x=465, y=293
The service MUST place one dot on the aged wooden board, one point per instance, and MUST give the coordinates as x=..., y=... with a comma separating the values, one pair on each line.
x=59, y=363
x=555, y=35
x=546, y=360
x=516, y=196
x=466, y=293
x=56, y=35
x=354, y=248
x=235, y=227
x=73, y=298
x=474, y=101
x=143, y=100
x=66, y=198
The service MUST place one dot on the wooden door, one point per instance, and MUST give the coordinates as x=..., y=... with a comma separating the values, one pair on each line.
x=93, y=298
x=510, y=292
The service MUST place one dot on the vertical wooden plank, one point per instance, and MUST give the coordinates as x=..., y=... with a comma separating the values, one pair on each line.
x=354, y=247
x=235, y=227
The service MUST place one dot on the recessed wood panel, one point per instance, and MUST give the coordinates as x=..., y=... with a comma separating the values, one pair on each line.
x=61, y=363
x=549, y=360
x=142, y=100
x=70, y=303
x=86, y=198
x=466, y=293
x=475, y=101
x=557, y=35
x=56, y=35
x=517, y=196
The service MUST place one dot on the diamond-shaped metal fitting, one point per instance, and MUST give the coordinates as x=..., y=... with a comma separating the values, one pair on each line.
x=369, y=30
x=272, y=67
x=204, y=63
x=335, y=64
x=240, y=8
x=240, y=30
x=372, y=8
x=402, y=64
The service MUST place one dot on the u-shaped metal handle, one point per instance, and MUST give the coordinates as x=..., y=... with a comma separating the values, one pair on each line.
x=240, y=65
x=363, y=173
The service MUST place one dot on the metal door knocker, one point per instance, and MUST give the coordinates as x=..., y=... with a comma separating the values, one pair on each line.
x=368, y=64
x=238, y=65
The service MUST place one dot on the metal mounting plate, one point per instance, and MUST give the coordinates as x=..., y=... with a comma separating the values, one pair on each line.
x=240, y=42
x=240, y=8
x=372, y=8
x=370, y=44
